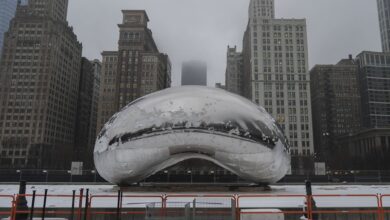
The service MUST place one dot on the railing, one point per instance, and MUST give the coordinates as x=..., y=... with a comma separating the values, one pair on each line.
x=270, y=205
x=385, y=205
x=191, y=176
x=84, y=206
x=8, y=211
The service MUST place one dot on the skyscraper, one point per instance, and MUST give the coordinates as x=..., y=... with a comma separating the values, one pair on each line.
x=374, y=77
x=234, y=78
x=40, y=72
x=7, y=12
x=384, y=24
x=368, y=148
x=194, y=73
x=336, y=105
x=107, y=105
x=97, y=70
x=84, y=138
x=135, y=70
x=276, y=56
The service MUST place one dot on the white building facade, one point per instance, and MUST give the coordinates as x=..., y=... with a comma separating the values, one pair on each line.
x=280, y=80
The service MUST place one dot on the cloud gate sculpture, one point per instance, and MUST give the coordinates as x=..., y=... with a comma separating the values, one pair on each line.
x=165, y=128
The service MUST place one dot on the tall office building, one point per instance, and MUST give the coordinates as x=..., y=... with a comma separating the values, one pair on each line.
x=384, y=23
x=40, y=72
x=369, y=148
x=194, y=73
x=7, y=12
x=276, y=56
x=234, y=76
x=336, y=105
x=135, y=70
x=107, y=105
x=97, y=70
x=84, y=139
x=374, y=77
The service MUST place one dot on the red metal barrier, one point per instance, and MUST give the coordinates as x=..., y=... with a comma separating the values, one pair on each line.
x=39, y=210
x=95, y=197
x=384, y=206
x=377, y=208
x=11, y=207
x=197, y=196
x=343, y=210
x=303, y=198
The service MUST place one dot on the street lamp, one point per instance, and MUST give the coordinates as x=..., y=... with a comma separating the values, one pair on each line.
x=47, y=174
x=190, y=172
x=94, y=175
x=166, y=172
x=71, y=176
x=20, y=174
x=212, y=172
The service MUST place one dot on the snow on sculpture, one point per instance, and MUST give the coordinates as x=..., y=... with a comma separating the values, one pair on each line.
x=191, y=122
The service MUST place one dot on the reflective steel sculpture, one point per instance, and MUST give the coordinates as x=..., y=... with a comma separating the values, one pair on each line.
x=192, y=122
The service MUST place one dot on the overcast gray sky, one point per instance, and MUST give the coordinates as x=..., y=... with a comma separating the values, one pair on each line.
x=202, y=29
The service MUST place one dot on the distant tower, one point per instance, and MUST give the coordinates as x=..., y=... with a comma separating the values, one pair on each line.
x=384, y=18
x=194, y=73
x=136, y=69
x=234, y=77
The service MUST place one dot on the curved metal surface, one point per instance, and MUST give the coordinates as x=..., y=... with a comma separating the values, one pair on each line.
x=164, y=128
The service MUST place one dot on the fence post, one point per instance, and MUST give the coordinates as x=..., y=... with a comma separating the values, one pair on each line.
x=381, y=211
x=86, y=204
x=311, y=204
x=32, y=206
x=72, y=209
x=13, y=210
x=44, y=205
x=80, y=203
x=21, y=202
x=118, y=207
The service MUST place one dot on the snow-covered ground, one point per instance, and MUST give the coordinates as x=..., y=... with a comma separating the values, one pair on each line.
x=273, y=201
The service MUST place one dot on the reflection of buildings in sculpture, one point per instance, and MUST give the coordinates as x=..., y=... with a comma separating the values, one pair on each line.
x=136, y=69
x=185, y=123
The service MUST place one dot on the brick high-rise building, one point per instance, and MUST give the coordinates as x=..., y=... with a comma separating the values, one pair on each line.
x=135, y=70
x=40, y=72
x=234, y=76
x=275, y=55
x=336, y=105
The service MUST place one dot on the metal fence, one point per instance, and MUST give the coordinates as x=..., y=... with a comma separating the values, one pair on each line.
x=82, y=205
x=190, y=176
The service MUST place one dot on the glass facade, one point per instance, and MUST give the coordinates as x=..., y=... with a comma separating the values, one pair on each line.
x=7, y=12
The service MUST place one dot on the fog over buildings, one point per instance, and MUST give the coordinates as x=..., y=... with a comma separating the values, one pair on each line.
x=194, y=73
x=201, y=29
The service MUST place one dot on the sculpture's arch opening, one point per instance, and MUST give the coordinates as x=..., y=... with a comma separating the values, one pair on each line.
x=195, y=170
